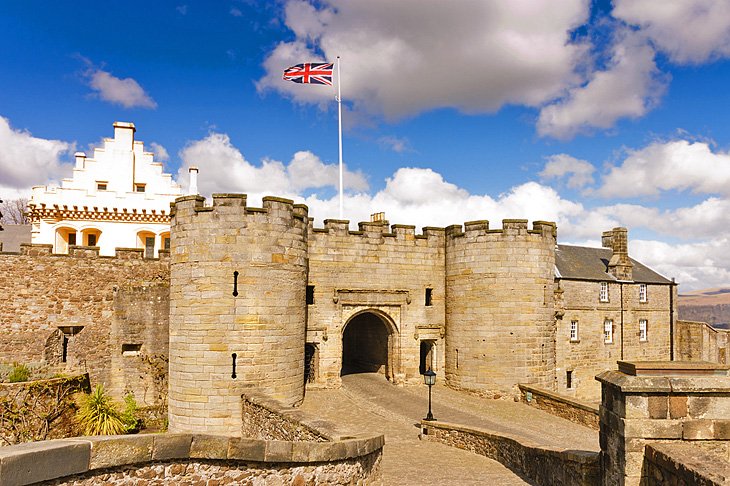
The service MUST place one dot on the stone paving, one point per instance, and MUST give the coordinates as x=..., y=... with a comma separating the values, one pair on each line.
x=367, y=403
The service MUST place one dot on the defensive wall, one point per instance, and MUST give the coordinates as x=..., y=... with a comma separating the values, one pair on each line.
x=698, y=341
x=89, y=312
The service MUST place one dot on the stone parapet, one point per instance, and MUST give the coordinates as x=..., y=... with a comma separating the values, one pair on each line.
x=646, y=407
x=543, y=465
x=569, y=408
x=684, y=464
x=183, y=458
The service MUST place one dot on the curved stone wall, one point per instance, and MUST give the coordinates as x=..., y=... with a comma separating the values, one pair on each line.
x=188, y=459
x=238, y=287
x=499, y=306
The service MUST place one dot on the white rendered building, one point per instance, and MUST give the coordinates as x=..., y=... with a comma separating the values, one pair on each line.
x=120, y=198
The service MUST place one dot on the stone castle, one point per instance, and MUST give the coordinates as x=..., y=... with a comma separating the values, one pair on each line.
x=259, y=298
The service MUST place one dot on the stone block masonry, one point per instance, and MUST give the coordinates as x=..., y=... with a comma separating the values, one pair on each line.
x=237, y=308
x=62, y=306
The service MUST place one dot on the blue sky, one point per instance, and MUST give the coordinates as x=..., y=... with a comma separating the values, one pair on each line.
x=594, y=114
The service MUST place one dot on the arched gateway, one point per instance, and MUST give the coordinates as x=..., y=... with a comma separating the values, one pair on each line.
x=368, y=342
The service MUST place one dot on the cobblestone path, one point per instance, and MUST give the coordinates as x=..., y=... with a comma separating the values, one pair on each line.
x=367, y=403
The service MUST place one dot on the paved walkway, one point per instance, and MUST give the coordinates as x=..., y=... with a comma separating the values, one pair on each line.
x=367, y=403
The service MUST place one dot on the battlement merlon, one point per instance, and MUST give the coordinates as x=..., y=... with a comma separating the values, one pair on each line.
x=511, y=227
x=235, y=204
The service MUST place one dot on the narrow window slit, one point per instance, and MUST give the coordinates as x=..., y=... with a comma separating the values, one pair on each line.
x=235, y=288
x=233, y=359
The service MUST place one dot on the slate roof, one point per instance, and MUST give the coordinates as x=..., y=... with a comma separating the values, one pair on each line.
x=584, y=263
x=13, y=235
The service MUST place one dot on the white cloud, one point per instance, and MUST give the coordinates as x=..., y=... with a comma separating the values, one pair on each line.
x=182, y=9
x=558, y=166
x=236, y=12
x=403, y=58
x=26, y=160
x=629, y=87
x=689, y=31
x=223, y=168
x=662, y=166
x=159, y=151
x=396, y=144
x=125, y=92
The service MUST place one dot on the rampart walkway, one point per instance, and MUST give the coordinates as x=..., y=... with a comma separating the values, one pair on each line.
x=368, y=403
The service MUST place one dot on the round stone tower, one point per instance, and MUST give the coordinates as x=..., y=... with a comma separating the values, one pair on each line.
x=500, y=328
x=238, y=282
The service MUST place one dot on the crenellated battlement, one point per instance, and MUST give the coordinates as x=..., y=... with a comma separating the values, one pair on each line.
x=510, y=227
x=233, y=206
x=86, y=252
x=376, y=229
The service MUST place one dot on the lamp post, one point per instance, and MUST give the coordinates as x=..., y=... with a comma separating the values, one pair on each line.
x=429, y=378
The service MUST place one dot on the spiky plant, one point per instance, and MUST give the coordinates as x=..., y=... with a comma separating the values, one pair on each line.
x=99, y=415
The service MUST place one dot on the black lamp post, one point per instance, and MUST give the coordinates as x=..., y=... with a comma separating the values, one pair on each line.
x=429, y=378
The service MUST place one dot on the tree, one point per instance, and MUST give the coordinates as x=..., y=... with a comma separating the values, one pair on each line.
x=14, y=211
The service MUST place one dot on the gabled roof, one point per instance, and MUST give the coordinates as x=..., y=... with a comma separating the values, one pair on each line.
x=584, y=263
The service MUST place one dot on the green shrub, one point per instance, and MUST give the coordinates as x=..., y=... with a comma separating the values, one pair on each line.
x=99, y=415
x=129, y=416
x=19, y=373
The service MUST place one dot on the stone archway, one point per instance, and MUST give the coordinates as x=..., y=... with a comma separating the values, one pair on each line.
x=367, y=345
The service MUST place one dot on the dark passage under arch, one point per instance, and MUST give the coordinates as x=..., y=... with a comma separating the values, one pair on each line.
x=365, y=345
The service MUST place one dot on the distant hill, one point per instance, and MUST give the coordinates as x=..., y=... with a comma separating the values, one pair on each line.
x=709, y=305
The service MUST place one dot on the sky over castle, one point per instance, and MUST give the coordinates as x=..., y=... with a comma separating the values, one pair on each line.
x=595, y=114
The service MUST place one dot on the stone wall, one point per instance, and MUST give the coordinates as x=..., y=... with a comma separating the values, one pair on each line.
x=683, y=464
x=383, y=270
x=189, y=459
x=568, y=408
x=46, y=295
x=541, y=465
x=590, y=354
x=499, y=306
x=698, y=341
x=264, y=418
x=661, y=402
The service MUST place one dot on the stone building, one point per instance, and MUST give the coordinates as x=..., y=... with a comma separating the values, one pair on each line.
x=609, y=307
x=119, y=198
x=261, y=298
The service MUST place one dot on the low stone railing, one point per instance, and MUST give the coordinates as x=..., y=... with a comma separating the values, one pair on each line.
x=541, y=464
x=678, y=463
x=568, y=408
x=190, y=459
x=266, y=418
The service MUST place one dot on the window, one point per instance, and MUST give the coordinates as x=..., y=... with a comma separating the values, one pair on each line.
x=569, y=379
x=608, y=331
x=603, y=295
x=139, y=187
x=72, y=238
x=101, y=186
x=91, y=239
x=574, y=331
x=642, y=293
x=643, y=330
x=310, y=294
x=429, y=296
x=166, y=243
x=149, y=247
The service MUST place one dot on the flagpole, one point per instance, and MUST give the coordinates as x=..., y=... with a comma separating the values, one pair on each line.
x=339, y=122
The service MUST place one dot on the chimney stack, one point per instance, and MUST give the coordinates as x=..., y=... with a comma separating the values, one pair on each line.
x=620, y=265
x=193, y=188
x=80, y=159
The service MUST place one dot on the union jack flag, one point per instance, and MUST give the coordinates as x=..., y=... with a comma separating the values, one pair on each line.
x=310, y=73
